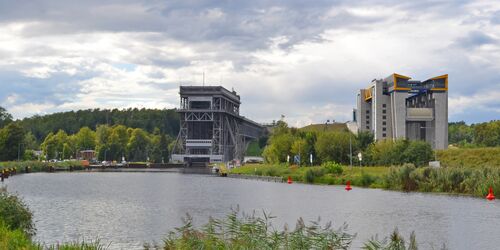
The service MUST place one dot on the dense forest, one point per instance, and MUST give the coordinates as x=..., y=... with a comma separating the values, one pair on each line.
x=136, y=134
x=166, y=120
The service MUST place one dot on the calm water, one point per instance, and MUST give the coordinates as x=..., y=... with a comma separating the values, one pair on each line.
x=128, y=209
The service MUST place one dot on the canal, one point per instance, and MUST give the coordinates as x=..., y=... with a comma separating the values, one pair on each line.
x=129, y=209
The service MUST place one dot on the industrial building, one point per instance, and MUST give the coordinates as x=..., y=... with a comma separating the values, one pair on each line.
x=211, y=127
x=398, y=107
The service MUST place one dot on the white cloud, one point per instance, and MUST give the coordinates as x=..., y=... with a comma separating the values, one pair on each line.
x=302, y=61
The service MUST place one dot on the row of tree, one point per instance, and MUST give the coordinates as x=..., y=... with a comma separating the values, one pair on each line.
x=166, y=120
x=111, y=143
x=336, y=146
x=485, y=134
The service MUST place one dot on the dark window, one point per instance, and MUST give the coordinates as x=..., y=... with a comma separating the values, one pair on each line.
x=367, y=122
x=368, y=111
x=384, y=129
x=367, y=127
x=384, y=117
x=383, y=123
x=384, y=111
x=199, y=105
x=384, y=135
x=384, y=105
x=367, y=117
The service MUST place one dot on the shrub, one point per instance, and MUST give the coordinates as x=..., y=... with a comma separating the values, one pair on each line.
x=15, y=214
x=312, y=173
x=366, y=179
x=333, y=168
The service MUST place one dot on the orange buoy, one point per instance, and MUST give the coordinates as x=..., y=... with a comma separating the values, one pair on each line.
x=348, y=186
x=490, y=195
x=289, y=180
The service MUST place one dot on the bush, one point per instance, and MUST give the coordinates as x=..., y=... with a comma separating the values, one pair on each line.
x=15, y=214
x=388, y=152
x=333, y=168
x=14, y=239
x=366, y=179
x=312, y=173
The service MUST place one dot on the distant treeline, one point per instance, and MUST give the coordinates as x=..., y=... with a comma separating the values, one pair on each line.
x=136, y=134
x=166, y=120
x=486, y=134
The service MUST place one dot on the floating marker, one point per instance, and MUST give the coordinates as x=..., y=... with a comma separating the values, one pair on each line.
x=348, y=186
x=289, y=180
x=490, y=195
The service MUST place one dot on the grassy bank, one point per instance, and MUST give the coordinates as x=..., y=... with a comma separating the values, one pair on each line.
x=470, y=157
x=37, y=166
x=458, y=180
x=366, y=176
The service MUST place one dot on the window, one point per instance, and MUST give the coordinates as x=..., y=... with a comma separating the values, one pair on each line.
x=367, y=122
x=367, y=117
x=367, y=127
x=384, y=111
x=384, y=129
x=384, y=117
x=384, y=135
x=368, y=111
x=384, y=105
x=384, y=123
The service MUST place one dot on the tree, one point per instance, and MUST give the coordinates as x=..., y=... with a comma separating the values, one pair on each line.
x=117, y=142
x=102, y=147
x=333, y=146
x=30, y=141
x=487, y=134
x=11, y=140
x=49, y=146
x=164, y=142
x=5, y=118
x=302, y=149
x=279, y=148
x=419, y=153
x=85, y=139
x=364, y=139
x=138, y=145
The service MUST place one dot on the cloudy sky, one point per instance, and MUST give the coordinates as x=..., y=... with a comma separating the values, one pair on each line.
x=302, y=59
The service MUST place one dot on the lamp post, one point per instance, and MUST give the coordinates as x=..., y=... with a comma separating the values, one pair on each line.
x=350, y=148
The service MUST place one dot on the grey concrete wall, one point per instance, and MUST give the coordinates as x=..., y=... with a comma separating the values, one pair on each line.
x=441, y=119
x=398, y=101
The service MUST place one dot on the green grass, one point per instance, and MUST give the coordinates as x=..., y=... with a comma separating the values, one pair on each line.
x=37, y=166
x=470, y=157
x=359, y=176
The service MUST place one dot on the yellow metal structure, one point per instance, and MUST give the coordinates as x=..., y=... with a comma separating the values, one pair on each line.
x=445, y=77
x=395, y=79
x=368, y=94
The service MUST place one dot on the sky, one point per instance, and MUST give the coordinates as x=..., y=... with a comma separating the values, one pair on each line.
x=301, y=59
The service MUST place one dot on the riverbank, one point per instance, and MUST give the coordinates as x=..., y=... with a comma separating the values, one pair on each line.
x=456, y=180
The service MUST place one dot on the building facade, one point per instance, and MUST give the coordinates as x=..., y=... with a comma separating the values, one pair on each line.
x=211, y=127
x=398, y=107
